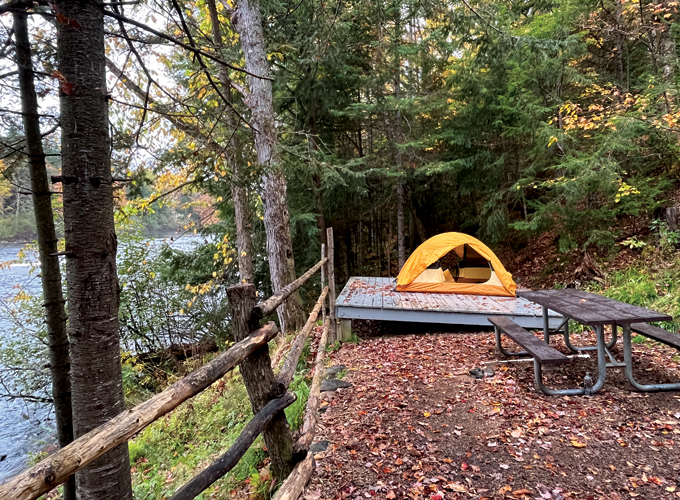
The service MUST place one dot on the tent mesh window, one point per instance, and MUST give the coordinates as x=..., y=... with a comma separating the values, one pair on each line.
x=470, y=268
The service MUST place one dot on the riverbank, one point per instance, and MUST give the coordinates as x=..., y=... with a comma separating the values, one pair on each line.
x=175, y=448
x=27, y=428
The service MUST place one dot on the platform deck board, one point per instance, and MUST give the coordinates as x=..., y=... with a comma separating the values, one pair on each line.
x=378, y=299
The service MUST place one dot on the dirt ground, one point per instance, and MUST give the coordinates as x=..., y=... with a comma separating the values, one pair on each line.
x=416, y=425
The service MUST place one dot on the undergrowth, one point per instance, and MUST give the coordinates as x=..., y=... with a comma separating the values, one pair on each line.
x=172, y=450
x=653, y=283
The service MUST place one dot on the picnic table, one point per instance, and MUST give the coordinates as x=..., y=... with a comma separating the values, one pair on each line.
x=592, y=310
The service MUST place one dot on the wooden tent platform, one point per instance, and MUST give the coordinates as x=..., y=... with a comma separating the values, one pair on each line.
x=378, y=299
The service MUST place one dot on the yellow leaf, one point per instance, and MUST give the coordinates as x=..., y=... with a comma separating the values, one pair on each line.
x=427, y=414
x=577, y=444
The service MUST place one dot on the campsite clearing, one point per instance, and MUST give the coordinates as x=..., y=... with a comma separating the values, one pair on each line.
x=416, y=425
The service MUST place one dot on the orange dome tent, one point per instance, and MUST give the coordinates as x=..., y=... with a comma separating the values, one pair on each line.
x=478, y=272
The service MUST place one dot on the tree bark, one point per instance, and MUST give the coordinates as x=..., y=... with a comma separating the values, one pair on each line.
x=401, y=237
x=244, y=242
x=93, y=291
x=55, y=315
x=247, y=22
x=258, y=378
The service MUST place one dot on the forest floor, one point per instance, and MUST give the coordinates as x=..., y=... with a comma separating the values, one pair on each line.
x=416, y=425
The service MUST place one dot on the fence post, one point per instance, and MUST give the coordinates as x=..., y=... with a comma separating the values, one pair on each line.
x=323, y=280
x=258, y=376
x=332, y=333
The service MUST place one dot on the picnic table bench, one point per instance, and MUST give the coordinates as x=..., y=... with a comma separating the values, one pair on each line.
x=541, y=351
x=535, y=347
x=655, y=333
x=590, y=310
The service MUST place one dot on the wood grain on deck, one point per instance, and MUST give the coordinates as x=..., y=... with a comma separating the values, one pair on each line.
x=381, y=293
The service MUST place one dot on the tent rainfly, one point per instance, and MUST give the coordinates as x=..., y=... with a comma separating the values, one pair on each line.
x=478, y=271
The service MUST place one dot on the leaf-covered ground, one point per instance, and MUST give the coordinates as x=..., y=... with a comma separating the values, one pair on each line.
x=416, y=425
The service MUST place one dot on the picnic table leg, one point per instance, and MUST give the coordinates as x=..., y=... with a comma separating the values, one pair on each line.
x=572, y=347
x=601, y=372
x=565, y=333
x=628, y=360
x=615, y=337
x=500, y=348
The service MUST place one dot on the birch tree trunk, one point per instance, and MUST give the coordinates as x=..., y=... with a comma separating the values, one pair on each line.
x=55, y=315
x=244, y=242
x=93, y=292
x=247, y=22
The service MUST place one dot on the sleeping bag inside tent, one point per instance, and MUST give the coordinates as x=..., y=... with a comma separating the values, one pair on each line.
x=455, y=263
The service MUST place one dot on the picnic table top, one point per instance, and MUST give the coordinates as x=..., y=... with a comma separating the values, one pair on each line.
x=592, y=309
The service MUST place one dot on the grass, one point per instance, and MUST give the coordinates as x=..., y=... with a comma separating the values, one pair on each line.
x=173, y=449
x=654, y=285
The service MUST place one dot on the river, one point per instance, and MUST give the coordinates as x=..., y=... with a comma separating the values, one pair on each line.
x=27, y=428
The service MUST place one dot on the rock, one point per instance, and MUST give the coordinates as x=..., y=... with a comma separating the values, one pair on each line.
x=319, y=447
x=333, y=385
x=476, y=373
x=332, y=371
x=488, y=372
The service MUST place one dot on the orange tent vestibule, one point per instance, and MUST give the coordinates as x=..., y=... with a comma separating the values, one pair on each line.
x=479, y=271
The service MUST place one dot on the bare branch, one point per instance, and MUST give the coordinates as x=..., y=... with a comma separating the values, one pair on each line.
x=169, y=38
x=18, y=5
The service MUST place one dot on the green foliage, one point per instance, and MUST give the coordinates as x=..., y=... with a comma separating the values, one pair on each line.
x=170, y=296
x=167, y=453
x=654, y=284
x=24, y=358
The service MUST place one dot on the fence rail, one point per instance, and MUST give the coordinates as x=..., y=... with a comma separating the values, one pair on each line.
x=58, y=467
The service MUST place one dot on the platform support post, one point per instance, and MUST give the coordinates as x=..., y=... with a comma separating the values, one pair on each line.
x=346, y=329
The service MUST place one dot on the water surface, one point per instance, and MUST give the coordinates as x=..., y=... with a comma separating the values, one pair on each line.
x=27, y=428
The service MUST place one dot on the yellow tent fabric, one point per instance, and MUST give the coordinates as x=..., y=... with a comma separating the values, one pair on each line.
x=500, y=282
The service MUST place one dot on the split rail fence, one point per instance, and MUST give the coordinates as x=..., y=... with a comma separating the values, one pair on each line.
x=268, y=393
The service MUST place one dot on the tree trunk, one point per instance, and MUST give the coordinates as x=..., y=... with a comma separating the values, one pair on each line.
x=55, y=315
x=248, y=24
x=401, y=237
x=258, y=377
x=244, y=242
x=619, y=44
x=411, y=232
x=93, y=292
x=316, y=177
x=318, y=207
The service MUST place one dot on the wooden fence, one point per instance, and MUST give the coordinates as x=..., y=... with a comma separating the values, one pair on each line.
x=268, y=394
